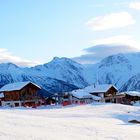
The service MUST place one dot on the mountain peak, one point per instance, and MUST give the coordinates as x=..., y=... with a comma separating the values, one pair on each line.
x=8, y=65
x=62, y=59
x=114, y=59
x=56, y=58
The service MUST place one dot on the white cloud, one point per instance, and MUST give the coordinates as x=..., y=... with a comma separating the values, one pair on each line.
x=119, y=39
x=134, y=5
x=102, y=48
x=110, y=21
x=98, y=52
x=6, y=56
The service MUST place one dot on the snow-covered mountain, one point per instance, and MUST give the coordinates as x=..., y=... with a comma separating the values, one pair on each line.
x=59, y=75
x=63, y=69
x=63, y=74
x=121, y=69
x=132, y=84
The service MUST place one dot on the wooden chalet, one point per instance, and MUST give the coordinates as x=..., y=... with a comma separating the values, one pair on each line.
x=20, y=94
x=82, y=97
x=130, y=97
x=107, y=92
x=100, y=93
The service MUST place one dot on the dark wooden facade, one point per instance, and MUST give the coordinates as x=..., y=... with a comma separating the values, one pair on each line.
x=129, y=99
x=108, y=96
x=29, y=92
x=25, y=96
x=111, y=92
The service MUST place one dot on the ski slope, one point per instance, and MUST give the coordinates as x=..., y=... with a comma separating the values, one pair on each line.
x=85, y=122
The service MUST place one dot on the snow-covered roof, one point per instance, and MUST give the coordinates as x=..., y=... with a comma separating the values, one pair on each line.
x=96, y=98
x=99, y=88
x=81, y=94
x=1, y=95
x=84, y=94
x=132, y=93
x=15, y=86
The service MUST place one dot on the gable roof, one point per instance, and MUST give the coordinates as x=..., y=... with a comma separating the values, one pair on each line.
x=99, y=88
x=16, y=86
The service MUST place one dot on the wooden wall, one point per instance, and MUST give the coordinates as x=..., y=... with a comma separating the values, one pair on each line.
x=26, y=93
x=111, y=92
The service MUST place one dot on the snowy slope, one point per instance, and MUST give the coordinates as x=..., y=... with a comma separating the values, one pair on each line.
x=132, y=84
x=64, y=69
x=59, y=75
x=118, y=69
x=90, y=122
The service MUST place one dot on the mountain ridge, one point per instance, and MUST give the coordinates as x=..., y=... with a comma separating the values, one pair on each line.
x=64, y=74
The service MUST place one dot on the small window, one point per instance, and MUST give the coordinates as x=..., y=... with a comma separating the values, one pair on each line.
x=16, y=104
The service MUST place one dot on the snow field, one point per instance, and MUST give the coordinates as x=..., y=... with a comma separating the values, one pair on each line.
x=86, y=122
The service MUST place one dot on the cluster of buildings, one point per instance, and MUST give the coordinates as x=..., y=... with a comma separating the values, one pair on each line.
x=105, y=93
x=28, y=94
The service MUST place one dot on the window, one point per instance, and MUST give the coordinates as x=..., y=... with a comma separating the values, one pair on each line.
x=16, y=104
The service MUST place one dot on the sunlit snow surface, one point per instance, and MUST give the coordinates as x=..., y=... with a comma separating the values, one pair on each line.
x=85, y=122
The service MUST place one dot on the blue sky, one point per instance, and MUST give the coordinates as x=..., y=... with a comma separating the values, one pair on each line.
x=35, y=31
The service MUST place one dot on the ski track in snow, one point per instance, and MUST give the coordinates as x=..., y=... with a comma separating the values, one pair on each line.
x=86, y=122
